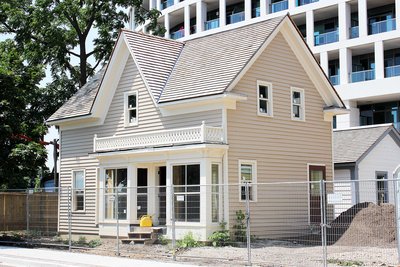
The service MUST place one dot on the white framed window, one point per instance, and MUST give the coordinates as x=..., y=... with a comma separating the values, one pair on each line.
x=297, y=104
x=215, y=192
x=264, y=99
x=248, y=174
x=131, y=108
x=115, y=194
x=78, y=190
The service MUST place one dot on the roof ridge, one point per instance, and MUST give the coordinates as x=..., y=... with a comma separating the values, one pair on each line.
x=153, y=36
x=172, y=70
x=364, y=127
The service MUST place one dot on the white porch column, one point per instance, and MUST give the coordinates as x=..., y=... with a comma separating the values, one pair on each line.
x=264, y=7
x=362, y=18
x=201, y=13
x=379, y=60
x=310, y=27
x=222, y=13
x=187, y=20
x=247, y=10
x=151, y=4
x=397, y=12
x=291, y=4
x=152, y=196
x=344, y=20
x=345, y=62
x=324, y=62
x=205, y=207
x=168, y=198
x=166, y=25
x=176, y=2
x=132, y=200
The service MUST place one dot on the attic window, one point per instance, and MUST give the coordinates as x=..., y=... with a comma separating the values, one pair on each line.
x=297, y=96
x=131, y=108
x=264, y=98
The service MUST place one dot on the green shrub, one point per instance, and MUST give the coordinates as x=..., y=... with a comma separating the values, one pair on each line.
x=221, y=237
x=239, y=228
x=161, y=239
x=188, y=241
x=81, y=240
x=94, y=243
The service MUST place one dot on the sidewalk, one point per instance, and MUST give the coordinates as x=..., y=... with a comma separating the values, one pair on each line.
x=13, y=257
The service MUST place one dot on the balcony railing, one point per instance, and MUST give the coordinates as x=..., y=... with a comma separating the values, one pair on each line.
x=236, y=17
x=279, y=6
x=211, y=24
x=201, y=134
x=167, y=3
x=392, y=71
x=335, y=79
x=306, y=2
x=327, y=38
x=354, y=32
x=382, y=26
x=178, y=34
x=360, y=76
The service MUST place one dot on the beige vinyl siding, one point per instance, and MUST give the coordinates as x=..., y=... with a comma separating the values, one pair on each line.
x=76, y=144
x=281, y=146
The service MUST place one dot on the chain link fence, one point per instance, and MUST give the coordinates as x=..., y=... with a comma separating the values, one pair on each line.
x=326, y=223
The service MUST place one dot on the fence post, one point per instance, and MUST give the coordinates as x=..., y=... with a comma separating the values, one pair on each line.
x=117, y=217
x=69, y=219
x=323, y=222
x=247, y=191
x=173, y=241
x=27, y=211
x=397, y=214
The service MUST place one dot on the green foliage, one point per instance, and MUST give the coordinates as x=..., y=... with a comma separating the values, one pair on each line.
x=188, y=241
x=21, y=114
x=239, y=228
x=94, y=243
x=81, y=241
x=345, y=262
x=57, y=32
x=221, y=237
x=161, y=239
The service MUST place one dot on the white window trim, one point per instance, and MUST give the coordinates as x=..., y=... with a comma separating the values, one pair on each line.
x=73, y=190
x=270, y=112
x=102, y=194
x=302, y=104
x=220, y=193
x=126, y=112
x=253, y=163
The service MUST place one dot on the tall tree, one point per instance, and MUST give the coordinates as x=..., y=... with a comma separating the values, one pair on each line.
x=56, y=32
x=21, y=115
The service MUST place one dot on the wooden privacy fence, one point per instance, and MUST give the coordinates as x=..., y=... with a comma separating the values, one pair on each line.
x=36, y=211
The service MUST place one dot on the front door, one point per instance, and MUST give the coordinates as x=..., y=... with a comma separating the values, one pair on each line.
x=316, y=174
x=141, y=192
x=162, y=173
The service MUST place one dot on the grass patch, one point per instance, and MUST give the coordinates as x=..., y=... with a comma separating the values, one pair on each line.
x=345, y=262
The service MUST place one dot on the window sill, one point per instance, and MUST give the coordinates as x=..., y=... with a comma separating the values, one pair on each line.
x=264, y=115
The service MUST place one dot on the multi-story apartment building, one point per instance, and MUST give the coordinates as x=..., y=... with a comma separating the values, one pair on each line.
x=357, y=43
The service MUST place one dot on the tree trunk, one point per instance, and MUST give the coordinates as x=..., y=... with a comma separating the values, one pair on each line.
x=83, y=62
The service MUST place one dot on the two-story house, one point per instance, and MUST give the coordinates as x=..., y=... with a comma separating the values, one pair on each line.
x=249, y=104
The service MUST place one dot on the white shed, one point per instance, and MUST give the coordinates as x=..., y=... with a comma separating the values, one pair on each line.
x=365, y=159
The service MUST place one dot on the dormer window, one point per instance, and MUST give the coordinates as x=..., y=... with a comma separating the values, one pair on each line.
x=131, y=108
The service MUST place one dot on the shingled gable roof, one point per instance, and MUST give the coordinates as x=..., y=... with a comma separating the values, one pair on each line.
x=81, y=102
x=174, y=70
x=207, y=65
x=351, y=144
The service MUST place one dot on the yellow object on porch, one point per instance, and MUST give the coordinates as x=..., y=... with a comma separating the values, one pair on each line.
x=146, y=221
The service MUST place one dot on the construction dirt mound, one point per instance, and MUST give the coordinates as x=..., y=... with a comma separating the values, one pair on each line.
x=364, y=224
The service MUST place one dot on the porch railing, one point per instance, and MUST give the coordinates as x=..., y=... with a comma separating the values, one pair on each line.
x=200, y=134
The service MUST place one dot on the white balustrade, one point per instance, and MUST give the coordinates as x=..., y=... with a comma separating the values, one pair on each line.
x=201, y=134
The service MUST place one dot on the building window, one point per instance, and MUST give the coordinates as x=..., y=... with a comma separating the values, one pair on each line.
x=381, y=186
x=248, y=174
x=115, y=198
x=380, y=113
x=264, y=98
x=78, y=190
x=215, y=193
x=186, y=181
x=131, y=108
x=297, y=96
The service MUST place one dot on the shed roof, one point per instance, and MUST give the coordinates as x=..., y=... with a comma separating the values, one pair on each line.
x=351, y=144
